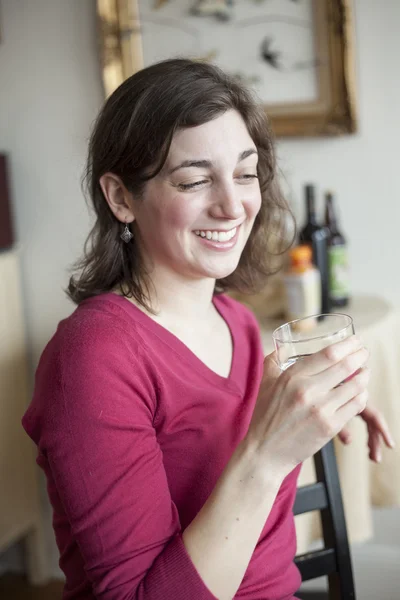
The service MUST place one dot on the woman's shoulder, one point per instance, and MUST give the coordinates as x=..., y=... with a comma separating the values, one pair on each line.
x=93, y=362
x=97, y=328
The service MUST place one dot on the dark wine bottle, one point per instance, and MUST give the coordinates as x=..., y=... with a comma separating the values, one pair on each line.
x=316, y=236
x=338, y=263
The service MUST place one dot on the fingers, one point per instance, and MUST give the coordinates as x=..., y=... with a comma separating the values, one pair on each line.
x=351, y=408
x=374, y=444
x=349, y=390
x=378, y=430
x=342, y=371
x=329, y=356
x=378, y=422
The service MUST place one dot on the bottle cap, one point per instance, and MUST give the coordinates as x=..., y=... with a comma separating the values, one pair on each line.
x=300, y=255
x=329, y=195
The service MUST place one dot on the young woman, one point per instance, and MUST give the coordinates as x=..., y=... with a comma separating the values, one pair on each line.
x=170, y=445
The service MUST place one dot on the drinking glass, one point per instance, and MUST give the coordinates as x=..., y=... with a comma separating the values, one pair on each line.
x=300, y=338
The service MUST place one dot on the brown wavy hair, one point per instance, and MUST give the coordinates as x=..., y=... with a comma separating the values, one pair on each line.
x=131, y=138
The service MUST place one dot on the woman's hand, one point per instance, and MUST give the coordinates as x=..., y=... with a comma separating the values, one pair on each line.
x=378, y=430
x=300, y=410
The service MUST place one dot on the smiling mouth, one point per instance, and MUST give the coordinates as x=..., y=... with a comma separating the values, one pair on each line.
x=217, y=236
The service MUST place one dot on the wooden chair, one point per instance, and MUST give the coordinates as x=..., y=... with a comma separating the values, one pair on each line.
x=334, y=559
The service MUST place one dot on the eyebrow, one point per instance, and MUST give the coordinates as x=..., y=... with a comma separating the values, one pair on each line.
x=207, y=164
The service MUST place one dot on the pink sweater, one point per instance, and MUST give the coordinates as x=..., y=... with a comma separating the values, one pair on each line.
x=133, y=431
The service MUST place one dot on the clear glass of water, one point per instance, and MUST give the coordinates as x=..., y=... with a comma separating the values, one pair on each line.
x=297, y=339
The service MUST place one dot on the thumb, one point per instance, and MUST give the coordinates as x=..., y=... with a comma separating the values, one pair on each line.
x=271, y=365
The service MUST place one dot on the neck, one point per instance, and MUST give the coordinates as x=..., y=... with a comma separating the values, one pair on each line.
x=180, y=303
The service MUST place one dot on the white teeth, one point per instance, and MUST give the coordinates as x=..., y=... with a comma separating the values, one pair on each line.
x=224, y=236
x=217, y=236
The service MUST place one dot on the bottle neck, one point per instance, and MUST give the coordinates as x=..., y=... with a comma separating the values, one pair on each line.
x=311, y=214
x=330, y=216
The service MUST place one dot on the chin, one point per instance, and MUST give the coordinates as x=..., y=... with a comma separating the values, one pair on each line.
x=221, y=273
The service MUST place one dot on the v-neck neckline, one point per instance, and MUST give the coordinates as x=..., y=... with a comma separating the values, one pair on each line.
x=180, y=347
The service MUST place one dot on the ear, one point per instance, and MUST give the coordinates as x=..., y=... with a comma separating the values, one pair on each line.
x=118, y=198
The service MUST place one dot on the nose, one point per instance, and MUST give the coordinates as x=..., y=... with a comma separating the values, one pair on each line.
x=226, y=202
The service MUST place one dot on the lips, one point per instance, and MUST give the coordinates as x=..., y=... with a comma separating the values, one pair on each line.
x=216, y=235
x=217, y=245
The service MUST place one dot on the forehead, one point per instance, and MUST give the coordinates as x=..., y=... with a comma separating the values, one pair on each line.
x=227, y=133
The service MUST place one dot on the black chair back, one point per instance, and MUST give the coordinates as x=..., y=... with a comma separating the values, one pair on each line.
x=334, y=559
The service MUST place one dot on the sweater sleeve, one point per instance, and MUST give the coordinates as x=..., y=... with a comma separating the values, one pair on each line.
x=102, y=450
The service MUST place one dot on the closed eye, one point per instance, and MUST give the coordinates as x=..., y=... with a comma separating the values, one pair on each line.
x=248, y=177
x=184, y=187
x=190, y=186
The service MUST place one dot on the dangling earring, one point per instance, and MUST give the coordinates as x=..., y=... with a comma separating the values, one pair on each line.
x=126, y=235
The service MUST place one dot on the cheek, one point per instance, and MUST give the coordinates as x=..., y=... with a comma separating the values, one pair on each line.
x=253, y=205
x=178, y=219
x=169, y=216
x=180, y=216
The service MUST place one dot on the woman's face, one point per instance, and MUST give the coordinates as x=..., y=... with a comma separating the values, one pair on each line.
x=197, y=213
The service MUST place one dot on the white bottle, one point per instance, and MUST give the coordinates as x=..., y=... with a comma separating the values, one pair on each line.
x=303, y=287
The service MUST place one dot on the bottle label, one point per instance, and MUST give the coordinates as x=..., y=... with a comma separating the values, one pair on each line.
x=303, y=294
x=338, y=272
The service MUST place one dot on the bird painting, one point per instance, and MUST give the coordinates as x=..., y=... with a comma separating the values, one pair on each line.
x=272, y=57
x=220, y=9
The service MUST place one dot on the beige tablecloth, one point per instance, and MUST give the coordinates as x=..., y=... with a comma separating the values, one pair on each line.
x=364, y=483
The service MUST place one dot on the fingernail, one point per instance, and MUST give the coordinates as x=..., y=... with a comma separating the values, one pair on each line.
x=379, y=456
x=392, y=444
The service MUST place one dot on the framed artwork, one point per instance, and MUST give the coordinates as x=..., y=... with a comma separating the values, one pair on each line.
x=296, y=54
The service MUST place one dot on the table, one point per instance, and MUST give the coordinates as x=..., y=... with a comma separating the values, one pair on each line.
x=364, y=484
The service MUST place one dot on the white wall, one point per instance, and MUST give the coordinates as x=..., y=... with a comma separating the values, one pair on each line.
x=364, y=169
x=50, y=91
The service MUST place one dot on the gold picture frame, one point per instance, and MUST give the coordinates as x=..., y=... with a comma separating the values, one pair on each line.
x=332, y=111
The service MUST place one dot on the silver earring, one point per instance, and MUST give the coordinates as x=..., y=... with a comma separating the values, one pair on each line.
x=126, y=235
